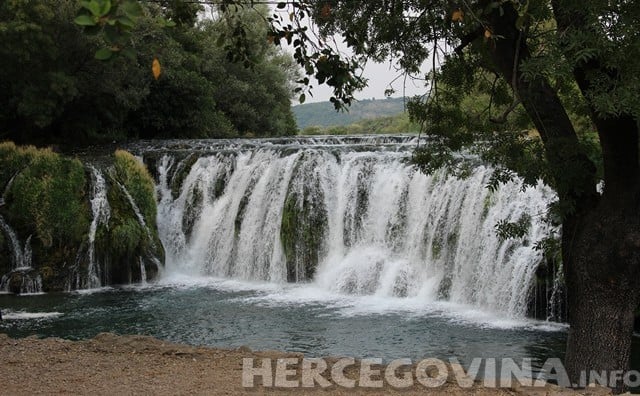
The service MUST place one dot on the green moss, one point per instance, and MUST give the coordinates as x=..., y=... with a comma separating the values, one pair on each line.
x=13, y=159
x=301, y=234
x=444, y=289
x=125, y=241
x=221, y=184
x=48, y=200
x=436, y=248
x=127, y=238
x=192, y=210
x=5, y=256
x=181, y=173
x=290, y=214
x=47, y=197
x=487, y=204
x=135, y=177
x=242, y=208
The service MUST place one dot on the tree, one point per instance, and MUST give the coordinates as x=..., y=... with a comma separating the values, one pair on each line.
x=82, y=83
x=537, y=49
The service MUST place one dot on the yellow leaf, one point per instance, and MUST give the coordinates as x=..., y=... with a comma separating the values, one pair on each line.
x=155, y=68
x=326, y=11
x=487, y=33
x=457, y=16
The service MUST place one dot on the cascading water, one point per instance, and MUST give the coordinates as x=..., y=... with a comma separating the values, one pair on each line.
x=101, y=212
x=350, y=215
x=16, y=249
x=21, y=279
x=144, y=226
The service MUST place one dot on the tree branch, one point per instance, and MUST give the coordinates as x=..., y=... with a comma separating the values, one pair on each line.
x=468, y=39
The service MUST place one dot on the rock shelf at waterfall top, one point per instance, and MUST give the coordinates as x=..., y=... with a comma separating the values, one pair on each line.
x=110, y=364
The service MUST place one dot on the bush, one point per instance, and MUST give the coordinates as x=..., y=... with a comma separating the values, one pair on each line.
x=47, y=194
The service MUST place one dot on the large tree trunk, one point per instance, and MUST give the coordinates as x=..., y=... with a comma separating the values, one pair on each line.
x=601, y=248
x=601, y=234
x=601, y=243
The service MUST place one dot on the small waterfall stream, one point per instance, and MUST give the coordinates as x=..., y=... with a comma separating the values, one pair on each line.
x=350, y=215
x=21, y=279
x=101, y=212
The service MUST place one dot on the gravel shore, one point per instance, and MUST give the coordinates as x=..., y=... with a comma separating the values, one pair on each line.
x=140, y=365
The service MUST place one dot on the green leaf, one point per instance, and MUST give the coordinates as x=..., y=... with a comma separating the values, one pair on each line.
x=93, y=6
x=112, y=34
x=126, y=21
x=303, y=97
x=132, y=9
x=105, y=7
x=103, y=54
x=85, y=20
x=129, y=53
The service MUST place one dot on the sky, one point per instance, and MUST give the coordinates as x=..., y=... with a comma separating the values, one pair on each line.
x=379, y=76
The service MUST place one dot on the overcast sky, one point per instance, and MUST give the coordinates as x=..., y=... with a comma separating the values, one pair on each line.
x=379, y=76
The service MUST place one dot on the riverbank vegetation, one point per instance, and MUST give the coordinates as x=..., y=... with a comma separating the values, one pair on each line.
x=47, y=210
x=54, y=90
x=399, y=123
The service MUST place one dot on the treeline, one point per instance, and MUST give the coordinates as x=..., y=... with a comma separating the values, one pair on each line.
x=399, y=123
x=54, y=90
x=324, y=114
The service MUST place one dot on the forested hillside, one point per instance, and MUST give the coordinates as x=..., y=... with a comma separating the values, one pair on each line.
x=323, y=114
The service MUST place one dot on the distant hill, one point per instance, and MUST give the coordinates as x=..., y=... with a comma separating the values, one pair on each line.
x=323, y=114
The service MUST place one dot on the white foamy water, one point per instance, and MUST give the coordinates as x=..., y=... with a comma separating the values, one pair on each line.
x=372, y=224
x=22, y=315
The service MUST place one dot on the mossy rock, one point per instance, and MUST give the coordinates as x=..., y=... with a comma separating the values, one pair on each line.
x=22, y=281
x=182, y=170
x=135, y=177
x=302, y=231
x=46, y=200
x=12, y=160
x=192, y=211
x=5, y=255
x=125, y=242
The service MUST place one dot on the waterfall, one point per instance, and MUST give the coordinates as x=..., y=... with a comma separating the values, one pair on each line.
x=101, y=213
x=351, y=215
x=16, y=249
x=22, y=278
x=143, y=272
x=143, y=224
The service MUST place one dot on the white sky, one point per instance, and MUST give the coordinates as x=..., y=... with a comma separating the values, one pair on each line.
x=379, y=76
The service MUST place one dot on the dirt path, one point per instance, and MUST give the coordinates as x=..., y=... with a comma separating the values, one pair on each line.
x=127, y=365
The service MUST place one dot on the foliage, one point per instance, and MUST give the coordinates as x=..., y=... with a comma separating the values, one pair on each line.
x=54, y=90
x=47, y=195
x=127, y=241
x=134, y=176
x=126, y=237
